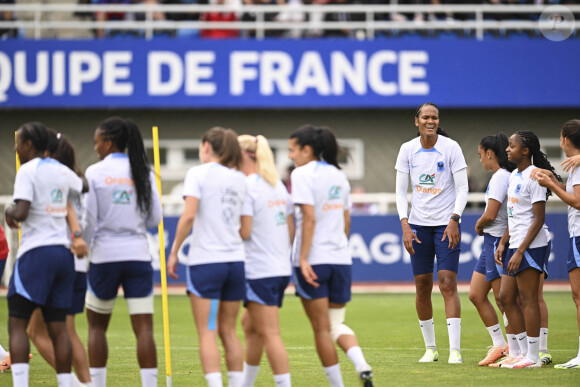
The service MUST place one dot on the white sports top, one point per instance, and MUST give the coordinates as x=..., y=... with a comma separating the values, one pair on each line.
x=431, y=171
x=77, y=203
x=216, y=229
x=573, y=214
x=522, y=193
x=327, y=189
x=497, y=190
x=113, y=225
x=268, y=248
x=46, y=184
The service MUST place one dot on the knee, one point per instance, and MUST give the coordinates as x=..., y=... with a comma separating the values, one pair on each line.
x=499, y=304
x=476, y=298
x=447, y=286
x=505, y=299
x=337, y=325
x=423, y=288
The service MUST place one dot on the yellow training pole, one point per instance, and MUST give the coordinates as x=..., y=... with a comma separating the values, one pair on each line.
x=162, y=263
x=17, y=168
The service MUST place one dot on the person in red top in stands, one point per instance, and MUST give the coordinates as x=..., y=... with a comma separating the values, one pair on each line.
x=219, y=17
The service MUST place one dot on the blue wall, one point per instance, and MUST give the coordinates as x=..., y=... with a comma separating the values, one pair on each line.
x=379, y=256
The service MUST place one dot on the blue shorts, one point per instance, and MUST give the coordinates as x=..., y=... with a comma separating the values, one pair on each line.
x=536, y=258
x=2, y=267
x=79, y=294
x=136, y=277
x=486, y=263
x=431, y=245
x=266, y=291
x=334, y=280
x=219, y=281
x=44, y=276
x=573, y=254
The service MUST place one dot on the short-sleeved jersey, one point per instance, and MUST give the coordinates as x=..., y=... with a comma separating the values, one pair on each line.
x=573, y=214
x=431, y=171
x=268, y=248
x=46, y=184
x=326, y=188
x=522, y=193
x=113, y=224
x=216, y=229
x=497, y=190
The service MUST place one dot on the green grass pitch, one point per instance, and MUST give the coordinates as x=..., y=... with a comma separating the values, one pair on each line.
x=387, y=329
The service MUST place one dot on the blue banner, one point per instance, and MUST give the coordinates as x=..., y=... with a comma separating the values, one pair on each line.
x=384, y=73
x=379, y=256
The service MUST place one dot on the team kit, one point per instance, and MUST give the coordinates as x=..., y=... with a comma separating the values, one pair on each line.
x=84, y=235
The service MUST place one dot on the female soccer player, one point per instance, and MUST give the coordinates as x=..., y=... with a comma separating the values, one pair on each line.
x=491, y=225
x=44, y=271
x=62, y=150
x=268, y=229
x=529, y=246
x=570, y=194
x=121, y=204
x=322, y=264
x=214, y=194
x=437, y=169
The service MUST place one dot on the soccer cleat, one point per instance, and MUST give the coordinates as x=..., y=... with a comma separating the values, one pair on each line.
x=545, y=357
x=366, y=376
x=493, y=355
x=574, y=363
x=455, y=358
x=508, y=362
x=429, y=356
x=5, y=363
x=527, y=363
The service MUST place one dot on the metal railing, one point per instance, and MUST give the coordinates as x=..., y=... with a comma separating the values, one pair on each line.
x=479, y=18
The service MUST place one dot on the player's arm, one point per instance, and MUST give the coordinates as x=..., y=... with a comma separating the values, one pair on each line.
x=16, y=212
x=184, y=226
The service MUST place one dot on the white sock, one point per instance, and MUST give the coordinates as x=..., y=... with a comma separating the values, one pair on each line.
x=428, y=331
x=64, y=380
x=250, y=374
x=75, y=381
x=214, y=379
x=514, y=346
x=149, y=377
x=454, y=329
x=235, y=378
x=544, y=340
x=99, y=376
x=333, y=375
x=2, y=352
x=523, y=343
x=356, y=356
x=578, y=347
x=496, y=336
x=20, y=374
x=282, y=380
x=533, y=349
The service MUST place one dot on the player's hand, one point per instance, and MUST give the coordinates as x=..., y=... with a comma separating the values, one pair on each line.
x=9, y=219
x=79, y=247
x=499, y=254
x=172, y=266
x=543, y=179
x=408, y=237
x=452, y=233
x=570, y=163
x=514, y=263
x=479, y=230
x=309, y=274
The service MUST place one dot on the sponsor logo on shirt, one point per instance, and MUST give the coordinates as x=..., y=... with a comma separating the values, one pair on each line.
x=280, y=218
x=433, y=191
x=513, y=200
x=334, y=192
x=426, y=179
x=109, y=180
x=56, y=195
x=122, y=196
x=510, y=211
x=276, y=203
x=332, y=207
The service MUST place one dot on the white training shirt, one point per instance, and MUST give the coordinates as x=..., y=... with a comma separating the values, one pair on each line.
x=431, y=171
x=46, y=184
x=268, y=248
x=573, y=214
x=113, y=225
x=327, y=189
x=497, y=190
x=216, y=229
x=522, y=193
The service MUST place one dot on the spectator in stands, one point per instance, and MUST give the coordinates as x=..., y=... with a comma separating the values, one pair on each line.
x=268, y=16
x=119, y=16
x=227, y=16
x=7, y=16
x=345, y=17
x=51, y=16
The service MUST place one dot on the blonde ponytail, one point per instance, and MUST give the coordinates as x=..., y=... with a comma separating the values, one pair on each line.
x=259, y=150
